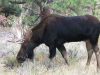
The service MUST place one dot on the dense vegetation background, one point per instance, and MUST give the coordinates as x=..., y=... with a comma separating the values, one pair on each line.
x=27, y=11
x=16, y=16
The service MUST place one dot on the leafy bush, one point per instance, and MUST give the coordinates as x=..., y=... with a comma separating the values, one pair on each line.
x=10, y=9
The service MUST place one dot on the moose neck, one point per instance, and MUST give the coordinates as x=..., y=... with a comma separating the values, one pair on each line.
x=37, y=36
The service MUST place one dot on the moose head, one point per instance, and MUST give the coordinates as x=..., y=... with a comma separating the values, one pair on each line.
x=26, y=49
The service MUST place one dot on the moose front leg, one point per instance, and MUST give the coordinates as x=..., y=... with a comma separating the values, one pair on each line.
x=63, y=52
x=52, y=51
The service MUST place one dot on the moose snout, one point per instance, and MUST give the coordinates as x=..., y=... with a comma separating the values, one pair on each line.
x=21, y=59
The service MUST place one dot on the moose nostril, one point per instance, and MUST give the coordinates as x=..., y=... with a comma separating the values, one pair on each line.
x=21, y=59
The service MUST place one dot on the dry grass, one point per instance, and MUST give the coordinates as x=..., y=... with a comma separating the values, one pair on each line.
x=42, y=65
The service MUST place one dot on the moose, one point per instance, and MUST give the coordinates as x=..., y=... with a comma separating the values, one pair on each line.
x=55, y=30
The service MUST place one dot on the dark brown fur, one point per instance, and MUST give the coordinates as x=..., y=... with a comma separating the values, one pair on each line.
x=56, y=30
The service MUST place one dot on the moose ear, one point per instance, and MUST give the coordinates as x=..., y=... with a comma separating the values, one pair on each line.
x=28, y=34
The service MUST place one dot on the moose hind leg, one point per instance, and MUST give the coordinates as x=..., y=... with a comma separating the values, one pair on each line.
x=63, y=52
x=89, y=51
x=94, y=43
x=97, y=53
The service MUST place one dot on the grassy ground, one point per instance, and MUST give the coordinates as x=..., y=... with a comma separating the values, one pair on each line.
x=41, y=64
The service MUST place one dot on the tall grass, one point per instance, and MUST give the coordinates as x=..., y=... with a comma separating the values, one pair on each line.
x=41, y=65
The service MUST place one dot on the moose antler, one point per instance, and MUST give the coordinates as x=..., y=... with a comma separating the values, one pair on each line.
x=28, y=35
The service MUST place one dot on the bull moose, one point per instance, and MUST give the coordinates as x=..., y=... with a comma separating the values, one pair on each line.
x=55, y=30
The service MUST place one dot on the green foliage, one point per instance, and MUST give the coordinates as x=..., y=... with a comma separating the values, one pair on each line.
x=76, y=6
x=62, y=7
x=10, y=9
x=30, y=20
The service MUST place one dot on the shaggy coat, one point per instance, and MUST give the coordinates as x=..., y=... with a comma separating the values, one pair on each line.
x=55, y=30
